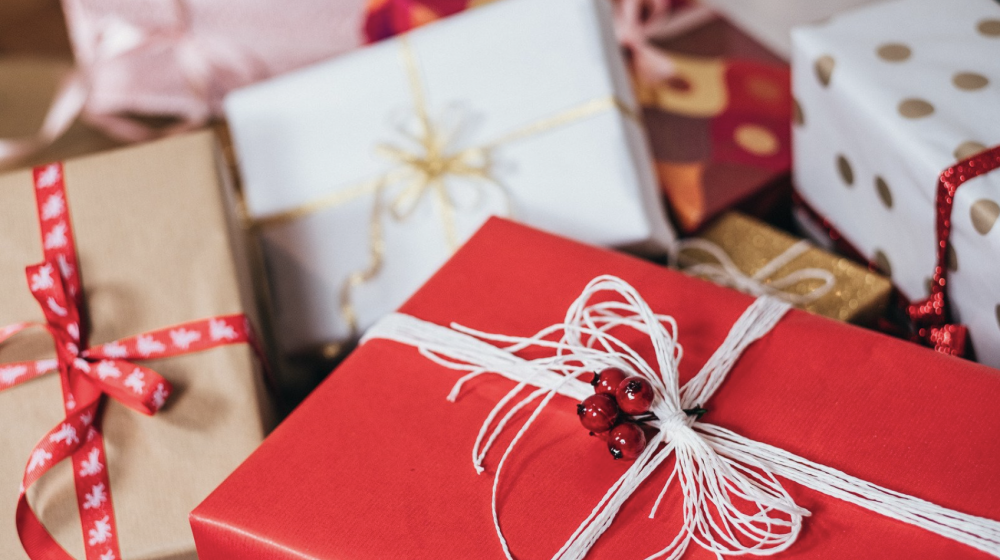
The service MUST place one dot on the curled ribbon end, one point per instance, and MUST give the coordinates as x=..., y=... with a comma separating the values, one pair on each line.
x=479, y=469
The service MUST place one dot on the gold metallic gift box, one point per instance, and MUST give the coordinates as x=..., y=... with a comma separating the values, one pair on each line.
x=858, y=296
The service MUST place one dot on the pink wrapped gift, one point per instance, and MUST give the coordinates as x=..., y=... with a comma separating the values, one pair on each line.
x=180, y=57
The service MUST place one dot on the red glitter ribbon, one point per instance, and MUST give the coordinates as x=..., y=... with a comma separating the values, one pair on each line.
x=87, y=375
x=930, y=321
x=930, y=316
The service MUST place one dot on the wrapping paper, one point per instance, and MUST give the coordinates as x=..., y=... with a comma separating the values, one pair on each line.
x=720, y=127
x=378, y=448
x=859, y=296
x=386, y=18
x=267, y=37
x=27, y=84
x=884, y=110
x=157, y=246
x=323, y=132
x=771, y=21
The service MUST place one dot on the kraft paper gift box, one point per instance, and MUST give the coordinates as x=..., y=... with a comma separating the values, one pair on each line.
x=377, y=463
x=885, y=108
x=158, y=246
x=720, y=126
x=363, y=173
x=856, y=295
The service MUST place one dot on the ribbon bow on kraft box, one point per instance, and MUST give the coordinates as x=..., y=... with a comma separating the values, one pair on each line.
x=364, y=173
x=896, y=148
x=144, y=294
x=770, y=431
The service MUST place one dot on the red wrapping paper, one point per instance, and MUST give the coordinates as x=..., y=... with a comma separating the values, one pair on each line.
x=377, y=464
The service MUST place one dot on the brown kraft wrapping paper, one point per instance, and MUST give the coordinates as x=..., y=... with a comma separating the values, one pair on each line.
x=158, y=245
x=28, y=86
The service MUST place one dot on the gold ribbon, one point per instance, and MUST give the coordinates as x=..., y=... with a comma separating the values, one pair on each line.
x=427, y=168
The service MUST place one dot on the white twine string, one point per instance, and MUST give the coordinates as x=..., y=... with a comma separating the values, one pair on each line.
x=726, y=273
x=713, y=465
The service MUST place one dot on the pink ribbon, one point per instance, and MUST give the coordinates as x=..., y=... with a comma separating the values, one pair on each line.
x=211, y=66
x=634, y=21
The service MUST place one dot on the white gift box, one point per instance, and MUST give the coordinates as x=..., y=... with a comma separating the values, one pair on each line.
x=771, y=21
x=349, y=132
x=889, y=97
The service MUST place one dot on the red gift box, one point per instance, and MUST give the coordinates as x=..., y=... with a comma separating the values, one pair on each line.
x=378, y=464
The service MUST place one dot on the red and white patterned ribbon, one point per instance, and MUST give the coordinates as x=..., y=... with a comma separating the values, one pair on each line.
x=87, y=374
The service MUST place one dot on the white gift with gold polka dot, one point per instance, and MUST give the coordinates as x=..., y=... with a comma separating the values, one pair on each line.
x=889, y=97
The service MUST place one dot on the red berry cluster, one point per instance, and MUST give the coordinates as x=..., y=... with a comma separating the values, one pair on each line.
x=614, y=408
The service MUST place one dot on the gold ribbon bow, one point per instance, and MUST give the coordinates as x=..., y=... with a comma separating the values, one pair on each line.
x=427, y=168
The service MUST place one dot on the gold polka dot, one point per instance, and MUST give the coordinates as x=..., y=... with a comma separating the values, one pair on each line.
x=984, y=215
x=882, y=263
x=798, y=117
x=824, y=69
x=894, y=52
x=969, y=81
x=951, y=258
x=968, y=149
x=844, y=167
x=756, y=139
x=915, y=108
x=884, y=194
x=989, y=27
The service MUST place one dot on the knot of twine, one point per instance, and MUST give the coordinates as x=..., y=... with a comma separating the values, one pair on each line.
x=426, y=163
x=715, y=468
x=725, y=272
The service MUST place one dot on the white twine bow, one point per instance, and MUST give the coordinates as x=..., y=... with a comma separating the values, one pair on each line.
x=713, y=465
x=725, y=272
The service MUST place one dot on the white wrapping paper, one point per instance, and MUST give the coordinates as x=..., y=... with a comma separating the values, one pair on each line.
x=771, y=21
x=891, y=96
x=484, y=73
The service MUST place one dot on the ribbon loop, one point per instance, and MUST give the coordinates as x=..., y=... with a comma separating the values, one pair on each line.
x=135, y=386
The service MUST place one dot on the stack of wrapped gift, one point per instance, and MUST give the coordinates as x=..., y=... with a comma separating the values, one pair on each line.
x=892, y=101
x=363, y=173
x=543, y=394
x=383, y=460
x=144, y=285
x=716, y=104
